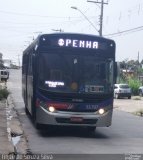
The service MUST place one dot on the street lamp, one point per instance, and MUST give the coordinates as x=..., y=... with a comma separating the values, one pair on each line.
x=73, y=7
x=58, y=30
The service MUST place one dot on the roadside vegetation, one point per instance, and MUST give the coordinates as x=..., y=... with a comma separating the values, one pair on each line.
x=4, y=93
x=130, y=71
x=134, y=83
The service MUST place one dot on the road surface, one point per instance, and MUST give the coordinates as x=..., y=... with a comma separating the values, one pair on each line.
x=125, y=136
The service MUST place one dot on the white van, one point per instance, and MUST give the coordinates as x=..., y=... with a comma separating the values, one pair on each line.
x=4, y=75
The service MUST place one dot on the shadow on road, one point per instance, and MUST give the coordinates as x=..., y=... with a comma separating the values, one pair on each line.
x=71, y=132
x=60, y=131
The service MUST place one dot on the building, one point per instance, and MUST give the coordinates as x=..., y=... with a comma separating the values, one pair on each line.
x=7, y=63
x=128, y=72
x=1, y=61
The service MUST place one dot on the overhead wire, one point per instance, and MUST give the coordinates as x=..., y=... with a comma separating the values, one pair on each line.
x=125, y=31
x=35, y=15
x=137, y=8
x=128, y=18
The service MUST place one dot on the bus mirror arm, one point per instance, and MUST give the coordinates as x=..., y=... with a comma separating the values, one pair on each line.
x=33, y=54
x=115, y=72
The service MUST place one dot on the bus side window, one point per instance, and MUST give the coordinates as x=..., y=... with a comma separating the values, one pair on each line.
x=24, y=64
x=30, y=64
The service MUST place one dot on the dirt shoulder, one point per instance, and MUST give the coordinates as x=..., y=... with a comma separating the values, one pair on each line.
x=133, y=105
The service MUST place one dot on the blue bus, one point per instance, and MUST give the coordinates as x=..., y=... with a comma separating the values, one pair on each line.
x=68, y=80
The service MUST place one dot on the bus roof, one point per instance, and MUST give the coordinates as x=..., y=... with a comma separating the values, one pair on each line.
x=75, y=35
x=69, y=35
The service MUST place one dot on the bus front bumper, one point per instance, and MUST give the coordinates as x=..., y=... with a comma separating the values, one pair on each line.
x=43, y=116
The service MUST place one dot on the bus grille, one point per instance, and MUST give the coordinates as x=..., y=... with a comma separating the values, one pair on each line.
x=79, y=110
x=85, y=121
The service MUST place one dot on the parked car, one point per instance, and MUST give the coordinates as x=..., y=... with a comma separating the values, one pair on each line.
x=141, y=91
x=4, y=75
x=122, y=90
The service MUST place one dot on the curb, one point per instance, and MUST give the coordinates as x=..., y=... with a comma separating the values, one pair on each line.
x=16, y=132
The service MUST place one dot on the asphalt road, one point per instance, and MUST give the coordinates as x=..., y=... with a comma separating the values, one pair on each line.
x=125, y=136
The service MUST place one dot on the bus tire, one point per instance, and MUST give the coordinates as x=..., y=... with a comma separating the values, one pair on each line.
x=91, y=129
x=37, y=125
x=26, y=110
x=33, y=110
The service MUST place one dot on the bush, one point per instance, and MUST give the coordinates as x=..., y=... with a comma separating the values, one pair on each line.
x=4, y=93
x=134, y=84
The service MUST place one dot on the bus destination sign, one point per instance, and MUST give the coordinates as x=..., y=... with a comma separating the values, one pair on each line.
x=78, y=43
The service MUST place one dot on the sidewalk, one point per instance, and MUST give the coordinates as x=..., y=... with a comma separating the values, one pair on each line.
x=12, y=139
x=6, y=146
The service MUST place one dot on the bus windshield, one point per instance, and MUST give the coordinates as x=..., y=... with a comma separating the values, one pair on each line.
x=75, y=73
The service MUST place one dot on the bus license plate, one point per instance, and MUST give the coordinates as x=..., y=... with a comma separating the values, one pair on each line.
x=76, y=119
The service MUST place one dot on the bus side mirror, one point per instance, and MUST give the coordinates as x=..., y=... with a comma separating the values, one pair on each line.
x=116, y=72
x=33, y=59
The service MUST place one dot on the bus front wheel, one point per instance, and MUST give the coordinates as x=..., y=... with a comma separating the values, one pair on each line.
x=38, y=125
x=91, y=129
x=26, y=110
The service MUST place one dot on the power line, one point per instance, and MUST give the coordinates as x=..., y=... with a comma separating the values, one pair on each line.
x=35, y=15
x=32, y=15
x=125, y=31
x=125, y=18
x=47, y=23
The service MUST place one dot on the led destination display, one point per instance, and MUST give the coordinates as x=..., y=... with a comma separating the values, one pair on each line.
x=78, y=43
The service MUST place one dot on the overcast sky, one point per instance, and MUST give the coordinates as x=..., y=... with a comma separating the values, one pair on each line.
x=21, y=20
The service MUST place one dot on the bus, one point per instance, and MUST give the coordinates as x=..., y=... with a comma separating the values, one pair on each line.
x=68, y=80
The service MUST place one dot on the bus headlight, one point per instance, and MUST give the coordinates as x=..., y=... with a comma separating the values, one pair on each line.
x=51, y=109
x=101, y=111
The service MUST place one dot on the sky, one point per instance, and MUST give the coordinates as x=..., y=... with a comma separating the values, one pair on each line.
x=23, y=20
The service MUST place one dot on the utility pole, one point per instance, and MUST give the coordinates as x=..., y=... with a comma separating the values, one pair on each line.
x=138, y=65
x=18, y=60
x=101, y=13
x=138, y=56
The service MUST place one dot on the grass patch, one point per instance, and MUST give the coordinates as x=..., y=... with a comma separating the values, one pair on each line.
x=136, y=98
x=4, y=93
